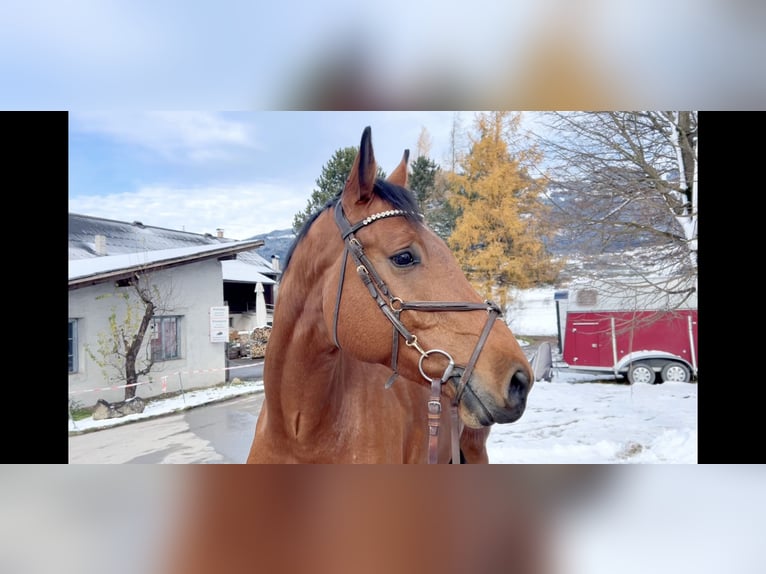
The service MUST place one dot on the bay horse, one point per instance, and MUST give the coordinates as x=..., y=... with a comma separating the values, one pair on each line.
x=381, y=350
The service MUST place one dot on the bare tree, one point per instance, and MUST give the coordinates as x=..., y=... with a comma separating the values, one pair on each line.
x=424, y=143
x=121, y=350
x=624, y=188
x=456, y=143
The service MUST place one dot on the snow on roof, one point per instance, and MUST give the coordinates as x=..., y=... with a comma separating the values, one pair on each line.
x=85, y=267
x=234, y=270
x=255, y=258
x=121, y=237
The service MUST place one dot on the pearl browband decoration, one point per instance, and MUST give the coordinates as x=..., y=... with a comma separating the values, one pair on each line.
x=382, y=214
x=347, y=229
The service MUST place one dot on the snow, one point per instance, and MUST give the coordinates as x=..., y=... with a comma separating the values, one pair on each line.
x=575, y=418
x=84, y=267
x=532, y=312
x=567, y=421
x=235, y=270
x=174, y=404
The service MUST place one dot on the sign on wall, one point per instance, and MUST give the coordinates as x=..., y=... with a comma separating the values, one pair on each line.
x=219, y=324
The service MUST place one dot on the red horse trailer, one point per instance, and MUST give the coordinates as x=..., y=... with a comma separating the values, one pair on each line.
x=646, y=332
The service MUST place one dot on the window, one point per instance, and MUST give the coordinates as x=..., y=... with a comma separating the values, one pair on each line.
x=73, y=363
x=587, y=297
x=165, y=338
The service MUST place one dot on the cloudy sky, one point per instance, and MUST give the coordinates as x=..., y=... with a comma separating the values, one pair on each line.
x=245, y=172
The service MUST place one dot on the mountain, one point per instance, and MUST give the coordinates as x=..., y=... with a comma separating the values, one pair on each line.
x=275, y=242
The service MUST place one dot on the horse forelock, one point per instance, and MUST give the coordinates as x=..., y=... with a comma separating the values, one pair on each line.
x=399, y=197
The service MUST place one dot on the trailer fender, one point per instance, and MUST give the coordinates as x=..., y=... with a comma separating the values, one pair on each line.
x=542, y=362
x=657, y=359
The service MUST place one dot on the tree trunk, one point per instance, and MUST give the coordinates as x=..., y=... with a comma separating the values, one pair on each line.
x=130, y=377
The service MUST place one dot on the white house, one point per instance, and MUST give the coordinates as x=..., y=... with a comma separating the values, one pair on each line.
x=92, y=237
x=187, y=336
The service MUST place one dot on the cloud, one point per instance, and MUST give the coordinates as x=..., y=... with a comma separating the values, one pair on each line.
x=194, y=136
x=242, y=210
x=201, y=171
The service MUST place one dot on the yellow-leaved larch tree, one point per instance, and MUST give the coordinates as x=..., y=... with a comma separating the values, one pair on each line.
x=500, y=231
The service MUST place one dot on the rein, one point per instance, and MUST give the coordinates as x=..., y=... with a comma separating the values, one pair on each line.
x=392, y=307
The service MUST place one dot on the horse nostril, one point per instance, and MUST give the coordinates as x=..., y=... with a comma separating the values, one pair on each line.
x=519, y=387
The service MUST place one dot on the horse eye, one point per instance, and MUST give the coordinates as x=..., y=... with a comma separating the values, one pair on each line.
x=404, y=259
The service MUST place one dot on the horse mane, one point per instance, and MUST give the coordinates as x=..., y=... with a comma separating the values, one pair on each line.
x=399, y=197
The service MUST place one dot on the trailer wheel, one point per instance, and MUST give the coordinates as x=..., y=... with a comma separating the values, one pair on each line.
x=675, y=372
x=641, y=373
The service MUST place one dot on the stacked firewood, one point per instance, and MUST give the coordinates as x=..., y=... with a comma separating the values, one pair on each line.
x=255, y=345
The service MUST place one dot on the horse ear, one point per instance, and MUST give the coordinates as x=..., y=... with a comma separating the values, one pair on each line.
x=361, y=180
x=399, y=175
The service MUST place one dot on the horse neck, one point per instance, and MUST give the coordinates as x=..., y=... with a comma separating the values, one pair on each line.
x=303, y=365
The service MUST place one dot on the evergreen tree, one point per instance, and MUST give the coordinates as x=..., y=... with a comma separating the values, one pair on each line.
x=422, y=179
x=330, y=183
x=430, y=188
x=500, y=231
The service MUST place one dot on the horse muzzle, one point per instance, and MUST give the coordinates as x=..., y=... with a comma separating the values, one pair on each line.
x=482, y=408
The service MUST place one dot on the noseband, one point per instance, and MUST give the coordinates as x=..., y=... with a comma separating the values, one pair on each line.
x=392, y=307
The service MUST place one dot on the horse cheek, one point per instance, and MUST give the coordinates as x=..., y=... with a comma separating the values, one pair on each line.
x=362, y=330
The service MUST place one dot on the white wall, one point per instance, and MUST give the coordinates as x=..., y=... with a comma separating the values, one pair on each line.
x=242, y=321
x=195, y=288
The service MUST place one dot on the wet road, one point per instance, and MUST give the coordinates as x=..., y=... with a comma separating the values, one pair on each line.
x=218, y=433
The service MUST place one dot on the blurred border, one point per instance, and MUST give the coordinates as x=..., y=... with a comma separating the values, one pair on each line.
x=569, y=519
x=553, y=54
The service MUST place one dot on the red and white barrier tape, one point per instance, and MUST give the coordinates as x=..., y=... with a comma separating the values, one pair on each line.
x=164, y=380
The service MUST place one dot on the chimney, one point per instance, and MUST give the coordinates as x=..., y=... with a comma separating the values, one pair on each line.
x=100, y=244
x=219, y=233
x=275, y=262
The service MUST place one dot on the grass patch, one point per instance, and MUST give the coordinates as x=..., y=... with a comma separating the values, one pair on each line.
x=79, y=411
x=80, y=414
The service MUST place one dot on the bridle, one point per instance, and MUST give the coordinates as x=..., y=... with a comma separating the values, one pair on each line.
x=392, y=307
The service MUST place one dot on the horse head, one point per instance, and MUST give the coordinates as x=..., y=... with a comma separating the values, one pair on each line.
x=396, y=295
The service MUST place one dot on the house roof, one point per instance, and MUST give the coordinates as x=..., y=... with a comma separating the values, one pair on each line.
x=123, y=237
x=84, y=272
x=257, y=259
x=236, y=271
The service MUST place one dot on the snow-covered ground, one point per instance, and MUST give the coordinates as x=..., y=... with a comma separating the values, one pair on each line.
x=573, y=421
